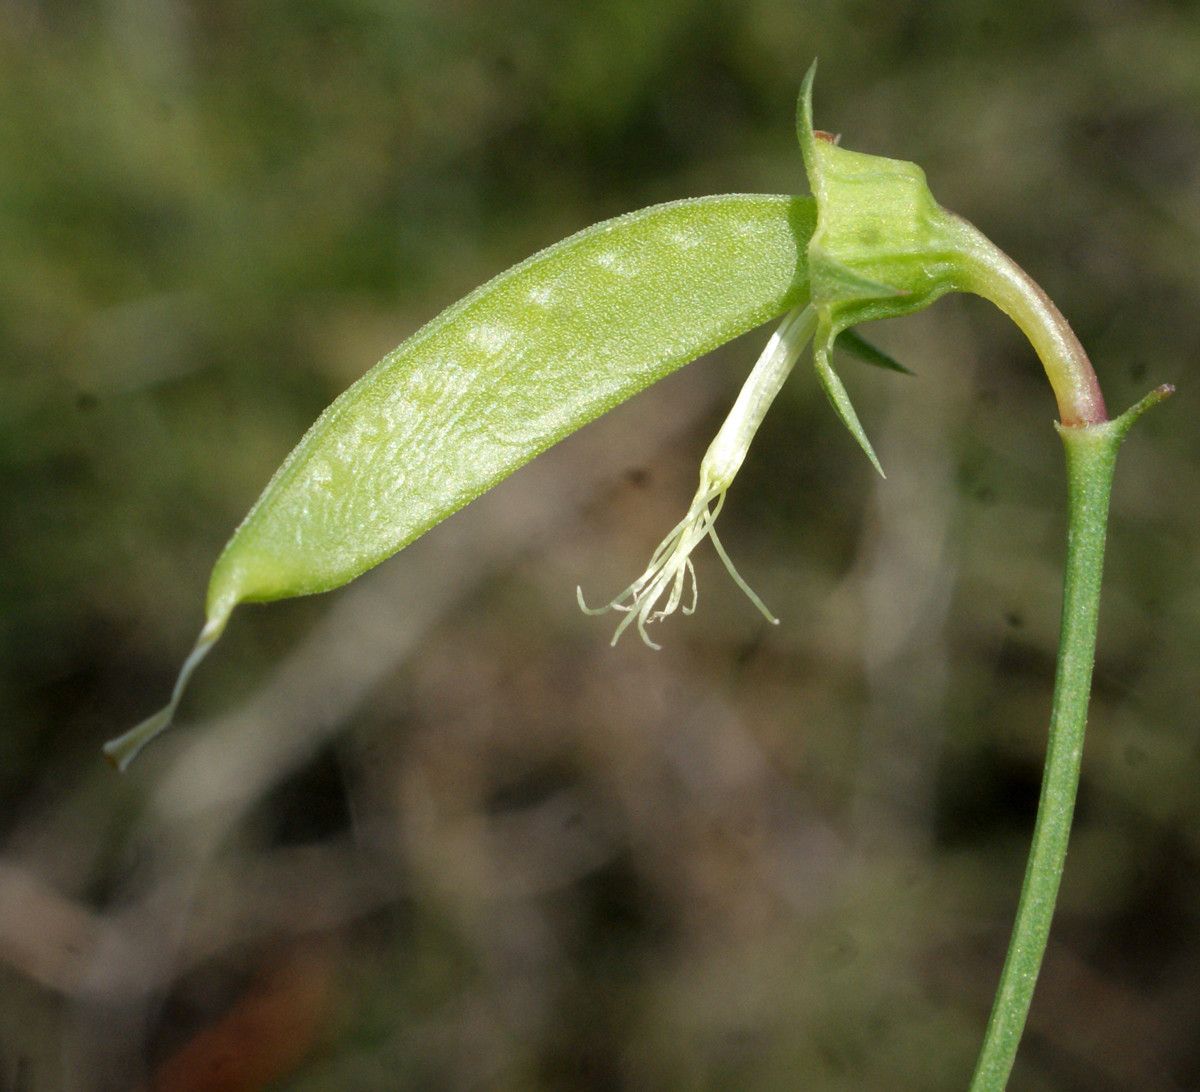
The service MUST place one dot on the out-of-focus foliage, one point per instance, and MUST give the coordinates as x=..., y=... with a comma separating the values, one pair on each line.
x=431, y=832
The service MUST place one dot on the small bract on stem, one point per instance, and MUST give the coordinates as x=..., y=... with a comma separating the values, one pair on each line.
x=659, y=591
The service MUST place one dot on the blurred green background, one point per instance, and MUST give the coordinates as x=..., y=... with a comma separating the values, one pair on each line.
x=430, y=831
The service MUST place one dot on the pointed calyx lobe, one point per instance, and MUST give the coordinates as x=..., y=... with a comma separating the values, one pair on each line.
x=883, y=247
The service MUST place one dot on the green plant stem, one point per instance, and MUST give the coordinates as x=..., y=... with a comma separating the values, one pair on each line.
x=1091, y=452
x=1090, y=459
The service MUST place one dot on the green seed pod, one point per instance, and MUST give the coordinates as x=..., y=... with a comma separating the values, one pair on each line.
x=493, y=381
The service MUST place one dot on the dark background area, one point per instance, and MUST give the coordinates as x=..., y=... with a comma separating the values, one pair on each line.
x=430, y=831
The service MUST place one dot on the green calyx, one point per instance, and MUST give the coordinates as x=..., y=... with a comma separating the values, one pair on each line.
x=882, y=246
